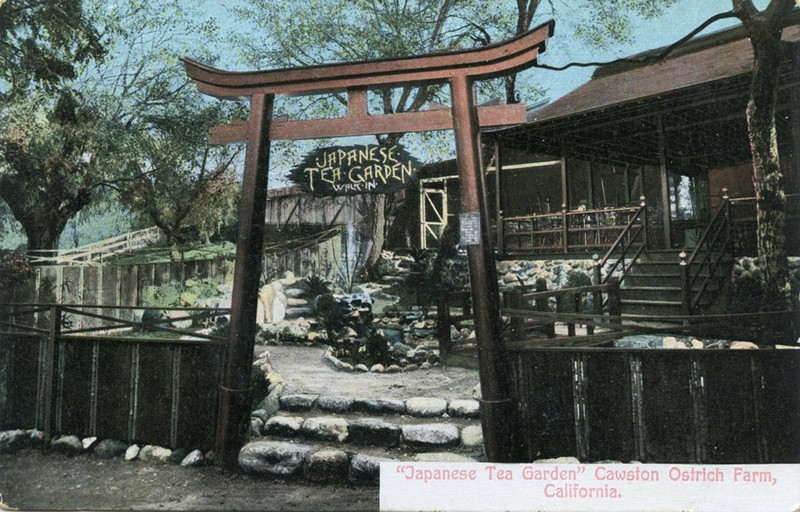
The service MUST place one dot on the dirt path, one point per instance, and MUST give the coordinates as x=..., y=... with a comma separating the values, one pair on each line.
x=33, y=480
x=307, y=372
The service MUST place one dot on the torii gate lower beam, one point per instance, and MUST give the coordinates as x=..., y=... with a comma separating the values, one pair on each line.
x=458, y=69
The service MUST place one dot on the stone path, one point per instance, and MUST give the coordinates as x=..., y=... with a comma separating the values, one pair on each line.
x=306, y=371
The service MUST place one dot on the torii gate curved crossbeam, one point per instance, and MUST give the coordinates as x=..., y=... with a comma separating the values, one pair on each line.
x=459, y=69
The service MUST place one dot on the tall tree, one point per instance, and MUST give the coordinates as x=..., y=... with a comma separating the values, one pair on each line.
x=53, y=153
x=43, y=43
x=289, y=34
x=120, y=103
x=764, y=30
x=183, y=182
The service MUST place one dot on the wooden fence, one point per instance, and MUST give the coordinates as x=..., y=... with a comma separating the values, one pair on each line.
x=124, y=285
x=696, y=406
x=90, y=382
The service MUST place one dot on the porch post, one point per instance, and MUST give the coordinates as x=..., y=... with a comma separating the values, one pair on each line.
x=564, y=182
x=662, y=160
x=499, y=412
x=234, y=393
x=497, y=199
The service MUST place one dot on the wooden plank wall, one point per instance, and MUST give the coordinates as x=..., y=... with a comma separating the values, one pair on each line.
x=690, y=406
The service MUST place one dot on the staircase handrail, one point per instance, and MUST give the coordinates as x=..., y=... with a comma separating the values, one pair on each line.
x=641, y=212
x=703, y=254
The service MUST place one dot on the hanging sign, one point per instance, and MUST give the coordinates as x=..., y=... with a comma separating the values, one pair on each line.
x=350, y=170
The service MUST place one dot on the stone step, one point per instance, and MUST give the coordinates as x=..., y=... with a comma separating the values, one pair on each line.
x=324, y=463
x=423, y=407
x=414, y=433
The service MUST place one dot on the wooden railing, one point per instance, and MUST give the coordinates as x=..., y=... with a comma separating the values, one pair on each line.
x=711, y=259
x=625, y=250
x=453, y=309
x=534, y=318
x=98, y=250
x=566, y=231
x=584, y=316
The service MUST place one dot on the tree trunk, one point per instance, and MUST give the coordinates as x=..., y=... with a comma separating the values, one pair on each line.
x=768, y=179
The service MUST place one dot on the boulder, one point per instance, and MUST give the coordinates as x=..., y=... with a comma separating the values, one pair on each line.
x=471, y=436
x=743, y=345
x=558, y=460
x=293, y=312
x=336, y=404
x=464, y=408
x=373, y=431
x=672, y=342
x=177, y=455
x=194, y=458
x=273, y=458
x=256, y=426
x=431, y=435
x=294, y=293
x=132, y=452
x=12, y=440
x=154, y=453
x=110, y=448
x=365, y=469
x=325, y=429
x=379, y=406
x=283, y=426
x=443, y=457
x=297, y=402
x=70, y=445
x=326, y=466
x=426, y=407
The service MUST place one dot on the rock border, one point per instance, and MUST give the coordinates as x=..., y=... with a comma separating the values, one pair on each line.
x=69, y=444
x=376, y=368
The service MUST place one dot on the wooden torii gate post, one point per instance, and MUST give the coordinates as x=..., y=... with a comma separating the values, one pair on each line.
x=459, y=69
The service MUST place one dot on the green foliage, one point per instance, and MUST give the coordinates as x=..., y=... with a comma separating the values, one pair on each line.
x=609, y=22
x=54, y=153
x=577, y=279
x=14, y=269
x=331, y=313
x=173, y=294
x=317, y=285
x=162, y=296
x=41, y=43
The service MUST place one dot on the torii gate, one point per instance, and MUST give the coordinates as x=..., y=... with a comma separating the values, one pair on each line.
x=460, y=69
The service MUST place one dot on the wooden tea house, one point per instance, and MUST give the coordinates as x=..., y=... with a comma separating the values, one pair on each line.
x=649, y=164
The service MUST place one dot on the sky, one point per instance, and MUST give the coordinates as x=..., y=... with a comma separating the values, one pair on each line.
x=677, y=21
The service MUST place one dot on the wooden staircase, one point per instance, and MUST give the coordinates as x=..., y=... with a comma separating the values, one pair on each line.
x=654, y=288
x=669, y=286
